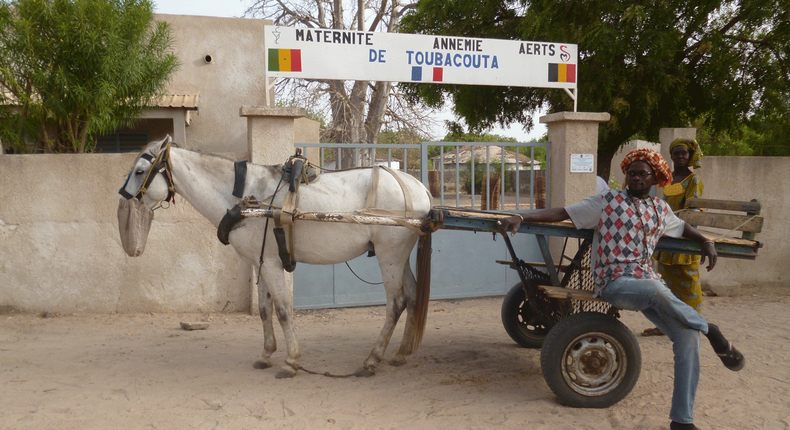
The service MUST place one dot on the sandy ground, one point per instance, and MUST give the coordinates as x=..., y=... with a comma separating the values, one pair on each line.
x=144, y=371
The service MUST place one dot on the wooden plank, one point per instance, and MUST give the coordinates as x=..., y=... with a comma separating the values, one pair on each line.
x=568, y=293
x=752, y=224
x=561, y=267
x=452, y=219
x=727, y=205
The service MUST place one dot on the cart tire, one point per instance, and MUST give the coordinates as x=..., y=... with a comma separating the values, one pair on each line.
x=590, y=360
x=519, y=319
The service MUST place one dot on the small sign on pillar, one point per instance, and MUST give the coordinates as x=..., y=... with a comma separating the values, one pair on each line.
x=582, y=163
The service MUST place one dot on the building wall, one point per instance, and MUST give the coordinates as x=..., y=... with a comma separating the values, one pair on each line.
x=234, y=77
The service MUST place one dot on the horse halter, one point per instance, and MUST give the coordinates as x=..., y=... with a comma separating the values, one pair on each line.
x=162, y=163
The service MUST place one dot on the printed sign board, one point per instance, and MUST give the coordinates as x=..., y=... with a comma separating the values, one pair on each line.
x=582, y=163
x=396, y=57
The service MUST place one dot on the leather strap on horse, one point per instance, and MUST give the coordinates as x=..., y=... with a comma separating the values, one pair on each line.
x=240, y=170
x=162, y=163
x=295, y=169
x=373, y=189
x=406, y=194
x=395, y=215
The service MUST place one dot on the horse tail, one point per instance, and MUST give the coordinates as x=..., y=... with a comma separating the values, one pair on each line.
x=423, y=287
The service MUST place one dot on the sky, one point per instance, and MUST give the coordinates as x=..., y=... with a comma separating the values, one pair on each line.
x=236, y=8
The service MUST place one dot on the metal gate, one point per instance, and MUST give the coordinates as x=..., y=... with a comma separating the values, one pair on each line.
x=491, y=176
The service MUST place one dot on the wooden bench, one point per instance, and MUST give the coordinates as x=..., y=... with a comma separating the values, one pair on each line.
x=725, y=214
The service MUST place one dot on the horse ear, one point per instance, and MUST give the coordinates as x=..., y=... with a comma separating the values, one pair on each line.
x=168, y=140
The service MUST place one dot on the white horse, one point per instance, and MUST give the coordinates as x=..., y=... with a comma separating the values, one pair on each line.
x=207, y=181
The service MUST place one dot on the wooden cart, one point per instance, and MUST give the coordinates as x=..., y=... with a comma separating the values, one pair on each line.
x=588, y=357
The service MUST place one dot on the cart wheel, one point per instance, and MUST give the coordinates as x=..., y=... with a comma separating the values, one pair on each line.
x=519, y=319
x=590, y=360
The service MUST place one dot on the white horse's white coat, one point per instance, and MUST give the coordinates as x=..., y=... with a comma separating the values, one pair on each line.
x=206, y=182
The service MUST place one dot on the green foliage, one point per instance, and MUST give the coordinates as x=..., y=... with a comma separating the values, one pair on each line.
x=495, y=170
x=649, y=64
x=72, y=70
x=456, y=133
x=404, y=136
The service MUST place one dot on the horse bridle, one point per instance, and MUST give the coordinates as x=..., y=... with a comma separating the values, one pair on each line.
x=159, y=164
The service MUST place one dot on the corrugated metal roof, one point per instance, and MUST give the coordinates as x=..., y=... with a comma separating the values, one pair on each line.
x=185, y=101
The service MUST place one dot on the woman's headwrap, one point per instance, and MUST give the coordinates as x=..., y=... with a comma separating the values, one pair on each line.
x=695, y=153
x=655, y=160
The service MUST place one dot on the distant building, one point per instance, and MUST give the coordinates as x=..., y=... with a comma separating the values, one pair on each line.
x=481, y=153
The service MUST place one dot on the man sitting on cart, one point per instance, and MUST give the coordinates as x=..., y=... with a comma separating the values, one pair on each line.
x=628, y=224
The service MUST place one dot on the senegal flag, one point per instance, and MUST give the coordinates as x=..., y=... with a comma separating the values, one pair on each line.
x=285, y=60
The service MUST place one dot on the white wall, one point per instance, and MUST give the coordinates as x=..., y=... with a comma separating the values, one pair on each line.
x=60, y=249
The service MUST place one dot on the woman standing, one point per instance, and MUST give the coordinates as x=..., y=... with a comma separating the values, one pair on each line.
x=681, y=271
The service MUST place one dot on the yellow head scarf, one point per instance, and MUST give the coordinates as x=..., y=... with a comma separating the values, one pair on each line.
x=695, y=153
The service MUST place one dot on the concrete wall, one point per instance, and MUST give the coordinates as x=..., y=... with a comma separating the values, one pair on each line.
x=60, y=248
x=746, y=178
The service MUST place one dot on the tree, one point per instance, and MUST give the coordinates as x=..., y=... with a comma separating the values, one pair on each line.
x=358, y=109
x=649, y=64
x=72, y=70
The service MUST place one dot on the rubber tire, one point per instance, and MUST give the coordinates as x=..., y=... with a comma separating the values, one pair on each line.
x=580, y=335
x=515, y=311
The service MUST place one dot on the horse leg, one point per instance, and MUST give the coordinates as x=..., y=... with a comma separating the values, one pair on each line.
x=409, y=332
x=269, y=341
x=391, y=265
x=281, y=297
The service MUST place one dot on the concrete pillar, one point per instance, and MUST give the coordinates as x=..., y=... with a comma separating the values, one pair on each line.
x=270, y=132
x=571, y=133
x=270, y=140
x=667, y=135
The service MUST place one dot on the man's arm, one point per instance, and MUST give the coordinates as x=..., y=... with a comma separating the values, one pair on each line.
x=546, y=215
x=708, y=249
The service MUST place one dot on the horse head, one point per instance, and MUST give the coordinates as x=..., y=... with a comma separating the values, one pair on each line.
x=147, y=185
x=149, y=179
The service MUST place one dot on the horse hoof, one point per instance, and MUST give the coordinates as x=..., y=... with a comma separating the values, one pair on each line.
x=365, y=372
x=262, y=364
x=285, y=374
x=397, y=362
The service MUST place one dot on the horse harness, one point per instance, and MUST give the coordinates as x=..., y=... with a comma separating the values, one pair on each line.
x=298, y=170
x=162, y=163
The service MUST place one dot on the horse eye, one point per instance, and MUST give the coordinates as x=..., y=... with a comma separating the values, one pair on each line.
x=139, y=172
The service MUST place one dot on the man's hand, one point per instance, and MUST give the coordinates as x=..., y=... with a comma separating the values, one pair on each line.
x=545, y=215
x=708, y=247
x=505, y=223
x=709, y=251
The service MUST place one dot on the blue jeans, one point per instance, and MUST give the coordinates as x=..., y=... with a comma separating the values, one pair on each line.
x=679, y=321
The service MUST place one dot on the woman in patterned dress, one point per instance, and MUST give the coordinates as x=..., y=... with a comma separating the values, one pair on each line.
x=681, y=271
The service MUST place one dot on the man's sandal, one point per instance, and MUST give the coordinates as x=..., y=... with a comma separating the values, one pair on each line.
x=655, y=331
x=732, y=359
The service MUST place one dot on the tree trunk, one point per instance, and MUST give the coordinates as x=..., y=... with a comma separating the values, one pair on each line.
x=605, y=165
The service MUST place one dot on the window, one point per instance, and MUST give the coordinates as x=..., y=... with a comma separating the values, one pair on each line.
x=123, y=141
